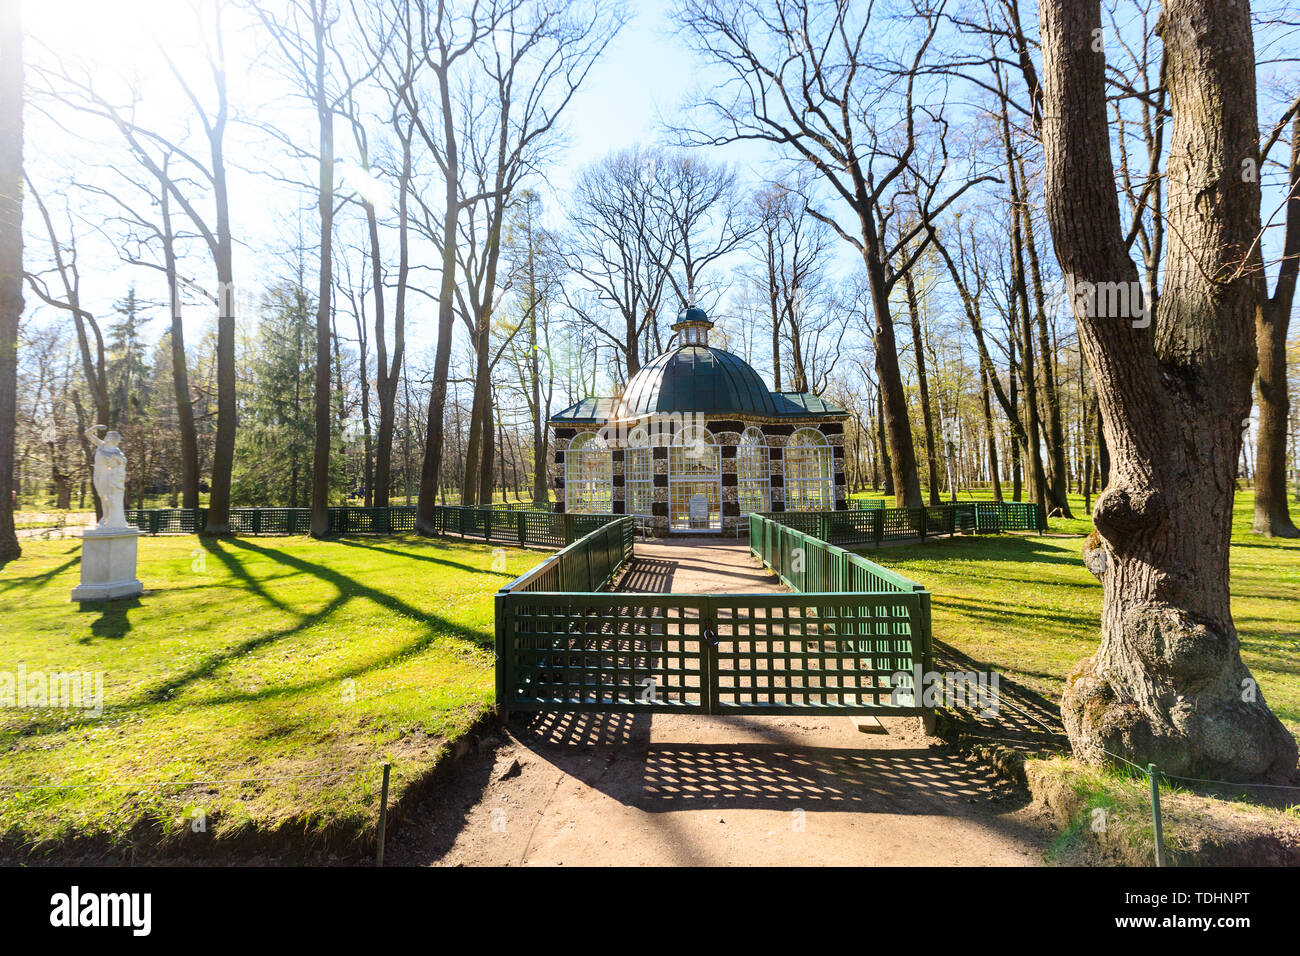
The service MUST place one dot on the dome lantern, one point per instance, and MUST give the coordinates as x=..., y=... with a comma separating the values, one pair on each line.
x=692, y=327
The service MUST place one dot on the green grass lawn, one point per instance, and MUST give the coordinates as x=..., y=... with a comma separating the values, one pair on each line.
x=281, y=657
x=1027, y=607
x=251, y=657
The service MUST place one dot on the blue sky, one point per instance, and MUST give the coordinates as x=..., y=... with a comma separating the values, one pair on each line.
x=645, y=74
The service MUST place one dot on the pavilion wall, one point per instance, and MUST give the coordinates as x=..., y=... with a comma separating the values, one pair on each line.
x=726, y=432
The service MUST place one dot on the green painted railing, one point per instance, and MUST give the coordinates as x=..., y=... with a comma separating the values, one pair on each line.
x=866, y=504
x=833, y=645
x=809, y=564
x=588, y=564
x=858, y=529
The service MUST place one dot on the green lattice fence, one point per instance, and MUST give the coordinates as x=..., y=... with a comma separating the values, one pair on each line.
x=491, y=524
x=866, y=504
x=832, y=645
x=861, y=529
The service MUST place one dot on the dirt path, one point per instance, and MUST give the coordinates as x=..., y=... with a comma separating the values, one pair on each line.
x=556, y=789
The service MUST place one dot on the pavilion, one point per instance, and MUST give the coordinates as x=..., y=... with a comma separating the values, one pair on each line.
x=696, y=442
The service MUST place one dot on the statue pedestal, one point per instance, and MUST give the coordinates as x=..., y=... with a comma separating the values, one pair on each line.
x=108, y=558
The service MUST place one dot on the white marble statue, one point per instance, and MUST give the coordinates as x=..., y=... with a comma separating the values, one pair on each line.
x=109, y=550
x=109, y=477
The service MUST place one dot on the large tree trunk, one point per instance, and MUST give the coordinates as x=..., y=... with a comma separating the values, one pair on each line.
x=11, y=259
x=487, y=458
x=431, y=469
x=898, y=428
x=882, y=443
x=189, y=441
x=923, y=384
x=480, y=429
x=320, y=466
x=223, y=451
x=1272, y=320
x=1167, y=684
x=390, y=376
x=1057, y=474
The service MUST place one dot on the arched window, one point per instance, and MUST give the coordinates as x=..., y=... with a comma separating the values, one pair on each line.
x=694, y=481
x=809, y=478
x=694, y=452
x=754, y=472
x=588, y=475
x=638, y=474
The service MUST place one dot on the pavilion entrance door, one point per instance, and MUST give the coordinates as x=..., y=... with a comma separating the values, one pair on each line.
x=694, y=483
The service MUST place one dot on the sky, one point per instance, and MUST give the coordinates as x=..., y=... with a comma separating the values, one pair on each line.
x=642, y=80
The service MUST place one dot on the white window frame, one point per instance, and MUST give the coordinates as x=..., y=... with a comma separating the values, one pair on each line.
x=753, y=471
x=809, y=472
x=588, y=475
x=694, y=467
x=639, y=481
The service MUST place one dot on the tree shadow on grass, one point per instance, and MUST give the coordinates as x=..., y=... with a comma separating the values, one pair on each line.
x=368, y=546
x=38, y=579
x=346, y=589
x=1006, y=614
x=1009, y=547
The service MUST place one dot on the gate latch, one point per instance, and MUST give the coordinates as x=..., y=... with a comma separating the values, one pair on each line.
x=711, y=636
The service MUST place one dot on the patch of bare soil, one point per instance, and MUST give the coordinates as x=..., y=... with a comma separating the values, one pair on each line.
x=600, y=790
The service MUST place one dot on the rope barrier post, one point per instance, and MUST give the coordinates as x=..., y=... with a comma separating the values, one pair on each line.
x=1153, y=774
x=383, y=818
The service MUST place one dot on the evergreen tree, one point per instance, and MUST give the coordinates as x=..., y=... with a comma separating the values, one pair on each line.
x=274, y=451
x=127, y=368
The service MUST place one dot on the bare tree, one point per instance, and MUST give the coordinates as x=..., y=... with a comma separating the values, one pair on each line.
x=1272, y=320
x=1167, y=684
x=304, y=39
x=11, y=259
x=699, y=213
x=791, y=247
x=149, y=147
x=536, y=267
x=802, y=78
x=66, y=271
x=619, y=248
x=152, y=241
x=541, y=54
x=443, y=40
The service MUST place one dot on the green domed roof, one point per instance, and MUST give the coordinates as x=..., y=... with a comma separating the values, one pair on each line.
x=697, y=378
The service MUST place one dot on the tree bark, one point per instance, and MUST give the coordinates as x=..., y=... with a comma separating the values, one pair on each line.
x=320, y=467
x=923, y=383
x=390, y=375
x=1167, y=685
x=1058, y=498
x=189, y=441
x=882, y=443
x=898, y=429
x=431, y=469
x=1272, y=319
x=11, y=259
